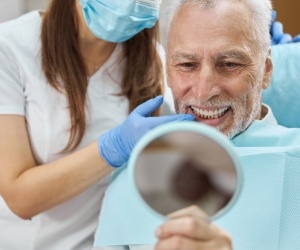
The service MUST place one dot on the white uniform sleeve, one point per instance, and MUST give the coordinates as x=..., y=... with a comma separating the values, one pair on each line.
x=12, y=98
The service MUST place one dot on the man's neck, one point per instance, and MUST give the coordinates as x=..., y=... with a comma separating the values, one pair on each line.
x=264, y=112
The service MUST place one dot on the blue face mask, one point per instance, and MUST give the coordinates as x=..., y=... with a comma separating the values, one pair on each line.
x=119, y=20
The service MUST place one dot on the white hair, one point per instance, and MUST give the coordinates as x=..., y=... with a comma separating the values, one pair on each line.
x=260, y=11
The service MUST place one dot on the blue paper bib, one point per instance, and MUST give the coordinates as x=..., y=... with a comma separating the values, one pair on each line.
x=266, y=215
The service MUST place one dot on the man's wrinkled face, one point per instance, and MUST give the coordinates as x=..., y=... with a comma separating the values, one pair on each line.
x=215, y=68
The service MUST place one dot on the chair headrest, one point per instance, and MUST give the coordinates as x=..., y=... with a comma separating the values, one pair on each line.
x=283, y=94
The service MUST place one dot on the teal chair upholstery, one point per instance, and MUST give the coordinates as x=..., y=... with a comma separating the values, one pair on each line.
x=283, y=94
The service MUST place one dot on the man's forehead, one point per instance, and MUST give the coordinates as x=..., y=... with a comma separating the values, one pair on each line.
x=235, y=53
x=227, y=14
x=221, y=33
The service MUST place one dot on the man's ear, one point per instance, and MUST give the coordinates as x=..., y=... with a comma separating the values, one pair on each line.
x=268, y=71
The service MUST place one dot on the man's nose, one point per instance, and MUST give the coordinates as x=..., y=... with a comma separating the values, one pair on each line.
x=207, y=84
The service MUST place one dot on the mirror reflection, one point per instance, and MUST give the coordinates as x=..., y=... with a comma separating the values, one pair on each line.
x=180, y=169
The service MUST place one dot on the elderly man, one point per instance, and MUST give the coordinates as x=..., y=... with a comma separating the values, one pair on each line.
x=218, y=63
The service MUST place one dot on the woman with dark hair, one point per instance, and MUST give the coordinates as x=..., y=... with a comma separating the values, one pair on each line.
x=69, y=77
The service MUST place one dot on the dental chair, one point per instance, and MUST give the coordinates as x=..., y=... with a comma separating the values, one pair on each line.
x=283, y=94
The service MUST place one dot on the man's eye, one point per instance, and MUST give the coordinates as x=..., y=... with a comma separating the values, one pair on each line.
x=187, y=65
x=230, y=64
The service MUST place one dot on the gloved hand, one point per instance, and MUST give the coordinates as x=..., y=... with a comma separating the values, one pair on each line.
x=296, y=39
x=116, y=145
x=277, y=34
x=276, y=30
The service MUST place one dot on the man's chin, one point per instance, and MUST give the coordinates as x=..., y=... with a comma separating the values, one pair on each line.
x=230, y=133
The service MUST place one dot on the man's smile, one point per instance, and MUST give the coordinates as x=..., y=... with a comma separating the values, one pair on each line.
x=213, y=116
x=209, y=113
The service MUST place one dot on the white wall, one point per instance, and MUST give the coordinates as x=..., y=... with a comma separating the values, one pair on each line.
x=10, y=9
x=163, y=20
x=36, y=4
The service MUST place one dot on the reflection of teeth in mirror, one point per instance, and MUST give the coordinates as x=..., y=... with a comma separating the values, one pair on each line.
x=210, y=114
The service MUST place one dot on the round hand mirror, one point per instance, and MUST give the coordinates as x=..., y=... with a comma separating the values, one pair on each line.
x=180, y=164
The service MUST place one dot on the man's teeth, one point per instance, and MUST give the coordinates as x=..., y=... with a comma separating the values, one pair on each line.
x=211, y=114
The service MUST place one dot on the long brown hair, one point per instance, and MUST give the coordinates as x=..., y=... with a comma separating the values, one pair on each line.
x=66, y=70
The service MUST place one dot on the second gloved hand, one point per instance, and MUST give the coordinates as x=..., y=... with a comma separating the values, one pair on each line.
x=276, y=31
x=116, y=145
x=277, y=34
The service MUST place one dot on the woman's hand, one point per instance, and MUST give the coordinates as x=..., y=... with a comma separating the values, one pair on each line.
x=277, y=34
x=188, y=229
x=116, y=145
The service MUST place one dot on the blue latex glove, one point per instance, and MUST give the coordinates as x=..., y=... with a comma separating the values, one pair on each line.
x=276, y=30
x=277, y=34
x=116, y=145
x=296, y=39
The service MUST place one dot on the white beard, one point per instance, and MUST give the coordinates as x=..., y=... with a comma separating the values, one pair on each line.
x=243, y=115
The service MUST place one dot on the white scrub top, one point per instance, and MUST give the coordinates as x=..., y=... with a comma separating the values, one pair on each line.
x=24, y=91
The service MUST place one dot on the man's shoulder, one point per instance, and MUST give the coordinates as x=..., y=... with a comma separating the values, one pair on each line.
x=264, y=134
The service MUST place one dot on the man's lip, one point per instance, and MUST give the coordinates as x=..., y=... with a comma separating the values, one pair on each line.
x=210, y=121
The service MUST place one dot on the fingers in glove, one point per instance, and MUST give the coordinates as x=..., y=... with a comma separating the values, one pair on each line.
x=148, y=107
x=277, y=32
x=296, y=39
x=286, y=38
